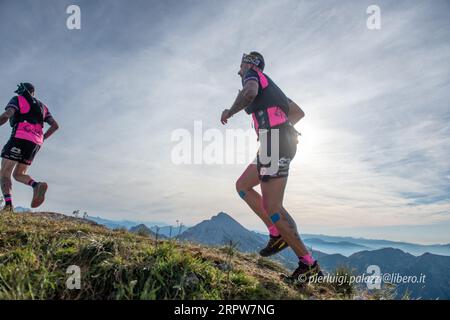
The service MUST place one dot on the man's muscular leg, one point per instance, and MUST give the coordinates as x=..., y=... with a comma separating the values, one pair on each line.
x=273, y=193
x=5, y=177
x=20, y=174
x=39, y=188
x=244, y=186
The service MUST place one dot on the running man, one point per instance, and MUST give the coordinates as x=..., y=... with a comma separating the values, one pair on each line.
x=271, y=110
x=26, y=115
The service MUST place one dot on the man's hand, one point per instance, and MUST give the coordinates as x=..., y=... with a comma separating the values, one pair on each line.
x=225, y=116
x=295, y=113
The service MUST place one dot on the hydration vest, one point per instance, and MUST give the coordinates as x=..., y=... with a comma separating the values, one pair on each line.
x=28, y=122
x=271, y=106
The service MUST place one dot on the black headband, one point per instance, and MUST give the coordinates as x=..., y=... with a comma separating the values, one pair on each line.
x=254, y=60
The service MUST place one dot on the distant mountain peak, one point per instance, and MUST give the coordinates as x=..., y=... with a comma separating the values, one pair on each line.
x=141, y=225
x=222, y=216
x=219, y=230
x=140, y=228
x=143, y=230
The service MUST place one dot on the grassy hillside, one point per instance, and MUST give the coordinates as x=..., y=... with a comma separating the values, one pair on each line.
x=37, y=249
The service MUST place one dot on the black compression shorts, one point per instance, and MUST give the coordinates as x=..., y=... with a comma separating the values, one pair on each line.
x=20, y=150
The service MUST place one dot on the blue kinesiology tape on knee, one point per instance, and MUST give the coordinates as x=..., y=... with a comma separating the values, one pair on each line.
x=242, y=194
x=275, y=217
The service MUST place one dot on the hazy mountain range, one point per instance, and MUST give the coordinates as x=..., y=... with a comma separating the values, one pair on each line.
x=348, y=245
x=156, y=227
x=345, y=246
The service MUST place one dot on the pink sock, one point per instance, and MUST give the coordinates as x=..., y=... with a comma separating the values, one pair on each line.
x=308, y=259
x=273, y=231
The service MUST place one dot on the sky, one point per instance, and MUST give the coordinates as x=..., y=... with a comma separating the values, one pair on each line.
x=374, y=156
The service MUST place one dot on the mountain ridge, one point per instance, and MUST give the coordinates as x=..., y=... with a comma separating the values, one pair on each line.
x=416, y=249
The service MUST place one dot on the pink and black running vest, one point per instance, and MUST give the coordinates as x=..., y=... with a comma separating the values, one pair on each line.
x=28, y=121
x=271, y=106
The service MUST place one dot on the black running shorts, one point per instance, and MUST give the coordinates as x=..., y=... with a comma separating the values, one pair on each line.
x=20, y=150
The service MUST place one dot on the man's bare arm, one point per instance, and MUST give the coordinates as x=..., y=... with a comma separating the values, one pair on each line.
x=245, y=97
x=295, y=113
x=6, y=115
x=53, y=127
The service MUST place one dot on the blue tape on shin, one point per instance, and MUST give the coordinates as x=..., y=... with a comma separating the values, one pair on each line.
x=275, y=217
x=242, y=194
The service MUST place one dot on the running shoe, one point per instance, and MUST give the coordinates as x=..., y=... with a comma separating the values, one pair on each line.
x=39, y=194
x=275, y=245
